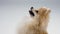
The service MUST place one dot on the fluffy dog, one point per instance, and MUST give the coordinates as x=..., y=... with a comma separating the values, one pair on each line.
x=38, y=23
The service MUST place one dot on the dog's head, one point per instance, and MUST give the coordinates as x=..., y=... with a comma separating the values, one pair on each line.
x=41, y=13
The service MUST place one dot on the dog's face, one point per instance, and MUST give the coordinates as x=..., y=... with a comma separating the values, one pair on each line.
x=43, y=12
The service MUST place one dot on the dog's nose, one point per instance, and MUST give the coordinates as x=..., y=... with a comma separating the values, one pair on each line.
x=31, y=8
x=31, y=13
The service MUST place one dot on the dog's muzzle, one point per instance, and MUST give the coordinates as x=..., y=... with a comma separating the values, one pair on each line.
x=31, y=13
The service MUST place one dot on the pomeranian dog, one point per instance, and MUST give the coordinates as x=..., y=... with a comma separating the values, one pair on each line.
x=38, y=23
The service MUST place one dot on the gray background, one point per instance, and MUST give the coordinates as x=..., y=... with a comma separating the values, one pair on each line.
x=12, y=11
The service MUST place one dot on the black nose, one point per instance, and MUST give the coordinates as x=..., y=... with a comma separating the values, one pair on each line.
x=31, y=13
x=31, y=8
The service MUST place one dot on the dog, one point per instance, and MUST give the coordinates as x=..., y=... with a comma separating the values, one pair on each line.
x=38, y=23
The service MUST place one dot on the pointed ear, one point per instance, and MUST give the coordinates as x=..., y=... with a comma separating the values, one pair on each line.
x=48, y=11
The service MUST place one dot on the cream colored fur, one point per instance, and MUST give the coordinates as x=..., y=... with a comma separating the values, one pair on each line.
x=38, y=24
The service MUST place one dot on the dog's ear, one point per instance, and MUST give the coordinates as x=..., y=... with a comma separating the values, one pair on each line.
x=49, y=11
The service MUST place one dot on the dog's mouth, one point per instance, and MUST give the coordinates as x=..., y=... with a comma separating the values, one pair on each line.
x=31, y=13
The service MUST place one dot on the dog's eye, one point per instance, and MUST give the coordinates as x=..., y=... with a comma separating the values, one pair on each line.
x=36, y=11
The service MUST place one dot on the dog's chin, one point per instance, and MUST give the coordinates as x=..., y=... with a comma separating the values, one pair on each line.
x=31, y=13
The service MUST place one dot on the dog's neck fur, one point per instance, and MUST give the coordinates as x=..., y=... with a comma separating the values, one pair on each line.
x=38, y=26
